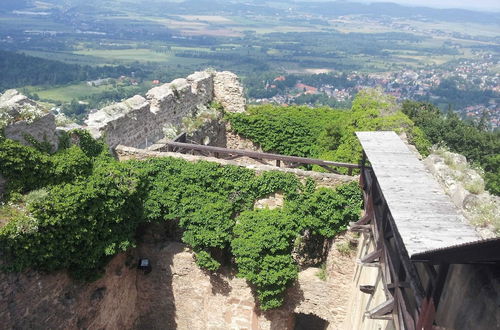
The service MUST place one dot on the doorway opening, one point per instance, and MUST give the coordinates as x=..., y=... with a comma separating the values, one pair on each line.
x=309, y=322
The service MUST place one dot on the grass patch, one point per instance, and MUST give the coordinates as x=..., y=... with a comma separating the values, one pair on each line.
x=486, y=214
x=322, y=273
x=78, y=91
x=345, y=248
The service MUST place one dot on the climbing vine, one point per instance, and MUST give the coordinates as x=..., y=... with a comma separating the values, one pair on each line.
x=90, y=207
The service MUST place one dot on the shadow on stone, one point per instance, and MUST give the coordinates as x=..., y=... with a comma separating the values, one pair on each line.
x=219, y=284
x=155, y=295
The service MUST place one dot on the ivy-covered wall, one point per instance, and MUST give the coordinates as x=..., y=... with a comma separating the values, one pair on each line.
x=78, y=207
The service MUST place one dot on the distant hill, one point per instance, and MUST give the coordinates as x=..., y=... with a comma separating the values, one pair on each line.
x=340, y=8
x=20, y=70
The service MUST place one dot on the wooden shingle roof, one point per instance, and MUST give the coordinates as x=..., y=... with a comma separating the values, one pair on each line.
x=424, y=215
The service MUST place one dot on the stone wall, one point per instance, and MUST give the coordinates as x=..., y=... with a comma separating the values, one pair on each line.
x=176, y=294
x=20, y=116
x=321, y=179
x=33, y=300
x=140, y=121
x=42, y=129
x=229, y=92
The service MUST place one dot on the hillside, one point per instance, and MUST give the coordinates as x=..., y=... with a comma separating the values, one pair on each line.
x=20, y=70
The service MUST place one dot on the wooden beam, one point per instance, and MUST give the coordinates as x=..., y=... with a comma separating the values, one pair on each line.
x=370, y=257
x=398, y=285
x=382, y=311
x=261, y=155
x=368, y=289
x=371, y=264
x=360, y=228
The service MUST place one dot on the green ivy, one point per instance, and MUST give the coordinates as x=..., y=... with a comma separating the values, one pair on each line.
x=262, y=248
x=78, y=226
x=92, y=205
x=27, y=168
x=324, y=132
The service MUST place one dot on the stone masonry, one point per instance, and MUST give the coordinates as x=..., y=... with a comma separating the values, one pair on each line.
x=321, y=179
x=140, y=121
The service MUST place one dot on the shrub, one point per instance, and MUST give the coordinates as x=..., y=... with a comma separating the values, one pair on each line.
x=77, y=226
x=322, y=273
x=324, y=132
x=26, y=168
x=262, y=249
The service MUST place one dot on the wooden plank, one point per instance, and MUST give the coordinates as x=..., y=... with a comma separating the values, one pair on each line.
x=424, y=217
x=381, y=311
x=369, y=258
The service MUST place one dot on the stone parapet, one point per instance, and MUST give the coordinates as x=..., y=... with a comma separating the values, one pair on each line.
x=321, y=179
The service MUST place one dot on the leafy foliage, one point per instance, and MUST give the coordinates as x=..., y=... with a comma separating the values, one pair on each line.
x=92, y=205
x=264, y=239
x=469, y=139
x=286, y=130
x=25, y=168
x=324, y=132
x=28, y=168
x=79, y=225
x=262, y=248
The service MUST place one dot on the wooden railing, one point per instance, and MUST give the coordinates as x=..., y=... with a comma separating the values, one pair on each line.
x=229, y=154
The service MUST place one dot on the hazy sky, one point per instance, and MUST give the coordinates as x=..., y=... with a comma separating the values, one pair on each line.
x=483, y=5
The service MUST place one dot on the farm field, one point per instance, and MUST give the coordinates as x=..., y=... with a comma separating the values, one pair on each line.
x=79, y=91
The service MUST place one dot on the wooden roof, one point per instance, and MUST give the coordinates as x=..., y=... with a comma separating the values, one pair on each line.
x=424, y=215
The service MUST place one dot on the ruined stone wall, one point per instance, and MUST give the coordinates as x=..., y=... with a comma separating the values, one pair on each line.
x=42, y=129
x=140, y=121
x=321, y=179
x=212, y=133
x=176, y=294
x=20, y=116
x=33, y=300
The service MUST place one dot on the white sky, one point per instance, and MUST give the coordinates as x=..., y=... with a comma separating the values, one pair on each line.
x=483, y=5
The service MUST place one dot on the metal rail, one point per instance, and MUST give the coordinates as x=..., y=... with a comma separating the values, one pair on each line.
x=292, y=161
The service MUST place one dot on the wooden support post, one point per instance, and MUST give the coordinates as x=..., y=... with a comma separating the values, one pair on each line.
x=433, y=297
x=371, y=257
x=360, y=228
x=382, y=311
x=368, y=289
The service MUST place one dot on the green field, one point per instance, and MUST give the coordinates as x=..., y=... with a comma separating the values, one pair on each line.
x=78, y=91
x=118, y=56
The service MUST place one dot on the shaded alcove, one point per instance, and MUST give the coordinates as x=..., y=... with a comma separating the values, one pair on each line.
x=309, y=322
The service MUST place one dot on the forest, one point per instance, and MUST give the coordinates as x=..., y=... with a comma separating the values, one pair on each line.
x=20, y=70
